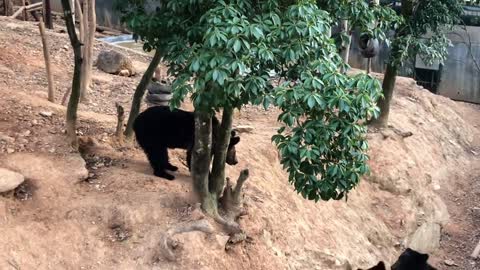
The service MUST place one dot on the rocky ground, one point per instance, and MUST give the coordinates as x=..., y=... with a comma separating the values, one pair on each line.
x=107, y=211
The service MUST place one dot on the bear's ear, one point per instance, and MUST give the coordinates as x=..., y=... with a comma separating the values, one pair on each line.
x=233, y=133
x=234, y=140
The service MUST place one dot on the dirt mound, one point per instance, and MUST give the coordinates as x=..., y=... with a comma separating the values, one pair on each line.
x=116, y=219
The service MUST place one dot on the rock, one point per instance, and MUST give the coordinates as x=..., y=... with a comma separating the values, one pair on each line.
x=114, y=62
x=7, y=139
x=10, y=150
x=221, y=240
x=449, y=263
x=79, y=171
x=5, y=71
x=46, y=114
x=9, y=180
x=426, y=239
x=244, y=129
x=124, y=73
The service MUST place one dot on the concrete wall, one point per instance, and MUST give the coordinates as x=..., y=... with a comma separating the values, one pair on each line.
x=460, y=79
x=460, y=76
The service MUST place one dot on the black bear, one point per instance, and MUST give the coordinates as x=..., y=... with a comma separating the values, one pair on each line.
x=159, y=128
x=408, y=260
x=411, y=259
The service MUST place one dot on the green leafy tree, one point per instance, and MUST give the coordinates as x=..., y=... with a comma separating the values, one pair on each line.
x=223, y=55
x=423, y=33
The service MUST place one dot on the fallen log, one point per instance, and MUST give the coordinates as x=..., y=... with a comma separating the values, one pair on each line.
x=31, y=7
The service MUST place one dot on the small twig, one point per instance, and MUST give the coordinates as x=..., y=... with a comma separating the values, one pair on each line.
x=13, y=264
x=120, y=120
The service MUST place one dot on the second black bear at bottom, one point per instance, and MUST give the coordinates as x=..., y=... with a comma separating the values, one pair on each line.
x=159, y=128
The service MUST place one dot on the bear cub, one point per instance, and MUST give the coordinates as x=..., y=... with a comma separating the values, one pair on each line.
x=159, y=128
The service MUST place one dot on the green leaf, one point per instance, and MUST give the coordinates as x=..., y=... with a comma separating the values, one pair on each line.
x=237, y=45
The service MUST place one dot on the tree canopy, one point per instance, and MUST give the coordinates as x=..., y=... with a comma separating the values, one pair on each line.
x=225, y=54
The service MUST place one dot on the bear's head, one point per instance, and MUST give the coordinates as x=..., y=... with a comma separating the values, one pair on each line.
x=232, y=152
x=411, y=259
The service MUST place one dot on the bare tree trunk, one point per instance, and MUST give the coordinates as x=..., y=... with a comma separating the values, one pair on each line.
x=201, y=162
x=369, y=65
x=24, y=11
x=90, y=21
x=78, y=4
x=384, y=103
x=345, y=48
x=139, y=92
x=222, y=139
x=46, y=54
x=75, y=96
x=47, y=14
x=390, y=77
x=120, y=120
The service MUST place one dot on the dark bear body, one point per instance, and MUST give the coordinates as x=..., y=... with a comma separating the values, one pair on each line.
x=408, y=260
x=158, y=128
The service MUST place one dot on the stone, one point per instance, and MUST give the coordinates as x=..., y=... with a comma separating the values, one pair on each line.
x=5, y=71
x=114, y=62
x=124, y=73
x=46, y=114
x=9, y=180
x=79, y=171
x=426, y=239
x=6, y=138
x=244, y=129
x=449, y=263
x=10, y=150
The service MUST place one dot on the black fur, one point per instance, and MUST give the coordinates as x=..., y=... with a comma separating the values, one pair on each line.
x=158, y=128
x=411, y=259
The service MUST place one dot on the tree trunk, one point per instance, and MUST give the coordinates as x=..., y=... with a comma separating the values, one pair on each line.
x=47, y=14
x=120, y=120
x=24, y=10
x=80, y=22
x=384, y=102
x=391, y=73
x=90, y=22
x=201, y=162
x=222, y=139
x=46, y=54
x=75, y=96
x=345, y=48
x=139, y=92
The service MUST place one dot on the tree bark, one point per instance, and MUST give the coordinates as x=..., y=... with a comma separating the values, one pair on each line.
x=90, y=21
x=120, y=120
x=201, y=162
x=75, y=96
x=81, y=22
x=139, y=92
x=46, y=54
x=345, y=50
x=24, y=11
x=390, y=77
x=47, y=14
x=222, y=140
x=384, y=103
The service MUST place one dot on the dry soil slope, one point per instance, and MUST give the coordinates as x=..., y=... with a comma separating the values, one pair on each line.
x=68, y=225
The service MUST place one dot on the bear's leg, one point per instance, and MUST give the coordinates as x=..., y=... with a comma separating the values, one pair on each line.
x=172, y=168
x=164, y=164
x=158, y=157
x=189, y=159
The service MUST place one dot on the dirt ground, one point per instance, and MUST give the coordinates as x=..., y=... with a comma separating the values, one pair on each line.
x=116, y=218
